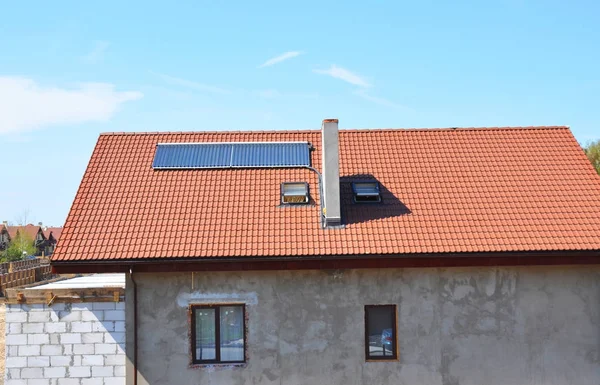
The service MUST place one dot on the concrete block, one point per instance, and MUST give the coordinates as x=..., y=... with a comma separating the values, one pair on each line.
x=114, y=380
x=51, y=350
x=96, y=315
x=114, y=337
x=38, y=316
x=114, y=359
x=67, y=349
x=121, y=348
x=38, y=339
x=70, y=338
x=105, y=326
x=16, y=382
x=92, y=338
x=68, y=381
x=55, y=372
x=114, y=315
x=103, y=371
x=120, y=305
x=14, y=308
x=32, y=373
x=83, y=348
x=16, y=362
x=84, y=306
x=16, y=339
x=34, y=307
x=29, y=350
x=39, y=381
x=105, y=348
x=92, y=381
x=14, y=373
x=69, y=316
x=60, y=360
x=36, y=327
x=80, y=371
x=12, y=351
x=16, y=317
x=92, y=360
x=120, y=371
x=55, y=327
x=14, y=328
x=103, y=306
x=76, y=360
x=59, y=306
x=120, y=326
x=54, y=339
x=81, y=327
x=38, y=362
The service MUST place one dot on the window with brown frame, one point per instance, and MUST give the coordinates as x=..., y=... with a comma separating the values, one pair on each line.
x=218, y=334
x=380, y=332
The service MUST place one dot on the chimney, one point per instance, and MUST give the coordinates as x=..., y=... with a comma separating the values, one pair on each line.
x=332, y=213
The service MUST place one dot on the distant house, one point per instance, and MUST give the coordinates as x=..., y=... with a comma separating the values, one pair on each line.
x=52, y=234
x=35, y=233
x=4, y=237
x=425, y=256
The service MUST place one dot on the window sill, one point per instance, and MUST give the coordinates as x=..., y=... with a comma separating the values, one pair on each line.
x=218, y=366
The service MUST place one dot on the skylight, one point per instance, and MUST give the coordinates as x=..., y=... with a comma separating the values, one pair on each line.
x=366, y=192
x=294, y=193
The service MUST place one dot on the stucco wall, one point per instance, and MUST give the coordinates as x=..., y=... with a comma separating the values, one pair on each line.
x=467, y=326
x=66, y=344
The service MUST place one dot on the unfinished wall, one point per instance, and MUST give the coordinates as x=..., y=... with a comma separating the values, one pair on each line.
x=66, y=344
x=468, y=326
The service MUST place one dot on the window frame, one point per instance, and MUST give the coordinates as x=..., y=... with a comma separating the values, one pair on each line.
x=356, y=195
x=394, y=357
x=281, y=194
x=217, y=307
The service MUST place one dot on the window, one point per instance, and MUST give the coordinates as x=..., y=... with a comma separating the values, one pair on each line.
x=380, y=332
x=366, y=192
x=294, y=193
x=218, y=334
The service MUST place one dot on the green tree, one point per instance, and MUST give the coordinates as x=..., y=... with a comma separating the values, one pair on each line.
x=22, y=245
x=592, y=150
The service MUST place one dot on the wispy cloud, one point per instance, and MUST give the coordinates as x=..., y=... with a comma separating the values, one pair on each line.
x=345, y=75
x=381, y=101
x=191, y=84
x=97, y=53
x=26, y=105
x=278, y=59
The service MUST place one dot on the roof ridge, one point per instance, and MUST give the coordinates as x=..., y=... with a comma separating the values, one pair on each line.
x=347, y=130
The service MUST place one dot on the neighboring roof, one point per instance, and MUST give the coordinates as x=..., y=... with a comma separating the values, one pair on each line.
x=444, y=191
x=96, y=281
x=54, y=231
x=30, y=230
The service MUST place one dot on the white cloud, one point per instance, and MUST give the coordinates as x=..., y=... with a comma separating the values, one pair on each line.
x=26, y=105
x=381, y=101
x=280, y=58
x=345, y=75
x=97, y=53
x=191, y=84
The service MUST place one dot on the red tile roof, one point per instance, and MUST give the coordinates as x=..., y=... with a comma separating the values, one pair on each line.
x=30, y=230
x=54, y=231
x=444, y=191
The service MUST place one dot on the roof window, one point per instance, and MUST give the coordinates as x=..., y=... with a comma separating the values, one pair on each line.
x=366, y=192
x=294, y=193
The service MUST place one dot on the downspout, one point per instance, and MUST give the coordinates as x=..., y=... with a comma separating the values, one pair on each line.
x=135, y=329
x=320, y=183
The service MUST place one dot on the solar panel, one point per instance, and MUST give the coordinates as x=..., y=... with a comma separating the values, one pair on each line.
x=231, y=155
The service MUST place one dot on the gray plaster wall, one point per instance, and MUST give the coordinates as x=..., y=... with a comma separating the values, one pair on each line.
x=467, y=326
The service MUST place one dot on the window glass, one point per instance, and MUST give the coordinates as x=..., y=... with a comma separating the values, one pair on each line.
x=232, y=333
x=205, y=334
x=380, y=331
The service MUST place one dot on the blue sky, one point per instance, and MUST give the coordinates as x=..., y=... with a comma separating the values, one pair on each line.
x=69, y=71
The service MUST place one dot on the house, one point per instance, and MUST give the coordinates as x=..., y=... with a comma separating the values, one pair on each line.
x=417, y=256
x=52, y=235
x=4, y=237
x=66, y=331
x=32, y=232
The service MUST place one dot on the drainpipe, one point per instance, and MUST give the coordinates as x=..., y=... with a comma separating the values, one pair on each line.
x=135, y=328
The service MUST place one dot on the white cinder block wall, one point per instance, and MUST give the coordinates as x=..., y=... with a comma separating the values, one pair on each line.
x=66, y=344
